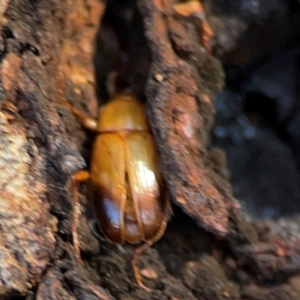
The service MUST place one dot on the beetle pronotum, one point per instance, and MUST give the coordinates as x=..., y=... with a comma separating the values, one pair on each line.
x=131, y=204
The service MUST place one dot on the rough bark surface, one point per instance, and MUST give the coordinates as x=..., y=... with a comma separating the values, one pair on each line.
x=210, y=250
x=181, y=111
x=36, y=155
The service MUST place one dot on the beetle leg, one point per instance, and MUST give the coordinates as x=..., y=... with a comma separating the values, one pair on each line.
x=79, y=176
x=142, y=249
x=86, y=121
x=135, y=268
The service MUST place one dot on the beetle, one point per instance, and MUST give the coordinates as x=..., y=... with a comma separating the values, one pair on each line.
x=130, y=201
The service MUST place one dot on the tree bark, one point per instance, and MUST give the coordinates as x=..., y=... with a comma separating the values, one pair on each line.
x=47, y=49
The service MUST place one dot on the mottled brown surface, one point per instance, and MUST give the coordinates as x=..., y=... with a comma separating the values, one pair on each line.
x=27, y=228
x=181, y=111
x=231, y=259
x=36, y=156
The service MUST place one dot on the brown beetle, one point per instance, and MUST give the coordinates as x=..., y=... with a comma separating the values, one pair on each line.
x=131, y=205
